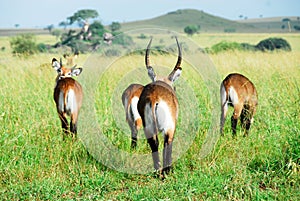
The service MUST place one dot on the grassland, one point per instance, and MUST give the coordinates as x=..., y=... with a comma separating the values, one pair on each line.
x=36, y=164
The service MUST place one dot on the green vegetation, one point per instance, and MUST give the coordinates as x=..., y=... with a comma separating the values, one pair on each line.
x=82, y=16
x=24, y=45
x=191, y=29
x=269, y=44
x=36, y=164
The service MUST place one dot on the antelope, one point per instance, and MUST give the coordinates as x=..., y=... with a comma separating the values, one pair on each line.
x=67, y=95
x=71, y=58
x=158, y=107
x=239, y=92
x=130, y=98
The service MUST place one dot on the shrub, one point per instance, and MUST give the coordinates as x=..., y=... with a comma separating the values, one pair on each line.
x=24, y=45
x=142, y=36
x=43, y=47
x=271, y=44
x=248, y=47
x=123, y=39
x=297, y=27
x=229, y=30
x=112, y=52
x=225, y=46
x=79, y=46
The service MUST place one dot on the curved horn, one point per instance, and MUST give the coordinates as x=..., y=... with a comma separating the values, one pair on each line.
x=151, y=72
x=60, y=62
x=147, y=61
x=179, y=56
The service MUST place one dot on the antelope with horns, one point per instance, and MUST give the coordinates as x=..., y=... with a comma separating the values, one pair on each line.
x=158, y=107
x=67, y=95
x=130, y=98
x=71, y=58
x=238, y=91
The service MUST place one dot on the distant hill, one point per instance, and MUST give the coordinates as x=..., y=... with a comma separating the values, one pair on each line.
x=274, y=24
x=179, y=19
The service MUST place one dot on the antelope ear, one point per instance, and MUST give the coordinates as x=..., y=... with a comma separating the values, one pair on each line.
x=76, y=71
x=175, y=74
x=55, y=64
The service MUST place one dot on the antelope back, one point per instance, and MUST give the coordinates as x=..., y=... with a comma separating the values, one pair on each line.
x=239, y=89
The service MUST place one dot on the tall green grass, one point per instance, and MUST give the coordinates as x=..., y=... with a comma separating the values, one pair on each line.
x=36, y=164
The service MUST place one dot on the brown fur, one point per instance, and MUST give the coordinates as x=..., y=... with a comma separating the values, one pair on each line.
x=159, y=96
x=244, y=107
x=133, y=90
x=64, y=83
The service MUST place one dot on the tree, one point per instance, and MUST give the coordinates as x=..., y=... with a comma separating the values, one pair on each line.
x=82, y=16
x=97, y=28
x=17, y=25
x=63, y=24
x=191, y=29
x=286, y=20
x=50, y=27
x=115, y=26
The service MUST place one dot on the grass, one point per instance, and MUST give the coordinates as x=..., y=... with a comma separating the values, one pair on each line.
x=36, y=164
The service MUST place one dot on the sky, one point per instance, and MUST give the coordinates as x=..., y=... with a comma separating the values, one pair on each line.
x=41, y=13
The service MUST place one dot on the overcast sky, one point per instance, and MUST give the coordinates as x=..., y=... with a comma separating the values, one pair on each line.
x=40, y=13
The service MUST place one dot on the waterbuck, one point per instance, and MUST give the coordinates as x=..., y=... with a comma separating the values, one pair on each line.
x=239, y=92
x=67, y=95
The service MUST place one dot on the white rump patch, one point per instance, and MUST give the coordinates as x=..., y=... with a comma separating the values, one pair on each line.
x=164, y=117
x=223, y=95
x=71, y=102
x=134, y=110
x=233, y=96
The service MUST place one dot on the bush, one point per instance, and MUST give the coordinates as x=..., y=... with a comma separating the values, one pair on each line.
x=112, y=52
x=43, y=47
x=24, y=45
x=142, y=36
x=79, y=46
x=248, y=47
x=225, y=46
x=229, y=30
x=122, y=39
x=271, y=44
x=297, y=27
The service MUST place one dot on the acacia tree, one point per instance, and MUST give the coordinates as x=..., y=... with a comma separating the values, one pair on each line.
x=63, y=24
x=82, y=16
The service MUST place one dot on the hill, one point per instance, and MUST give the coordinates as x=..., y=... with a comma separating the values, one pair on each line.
x=274, y=24
x=179, y=19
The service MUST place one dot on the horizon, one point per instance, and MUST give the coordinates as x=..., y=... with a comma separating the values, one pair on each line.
x=33, y=14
